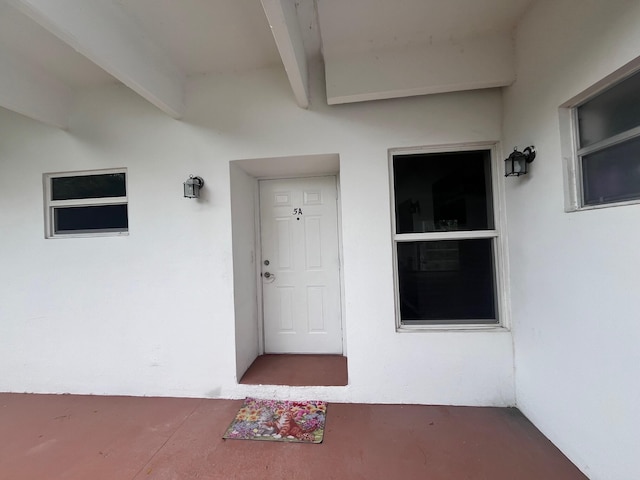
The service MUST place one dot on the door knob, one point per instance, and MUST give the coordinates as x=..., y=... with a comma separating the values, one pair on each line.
x=267, y=275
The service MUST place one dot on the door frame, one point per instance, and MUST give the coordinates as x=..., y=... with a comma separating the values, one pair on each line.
x=258, y=256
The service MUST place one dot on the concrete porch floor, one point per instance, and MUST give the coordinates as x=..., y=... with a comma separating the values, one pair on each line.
x=124, y=438
x=297, y=370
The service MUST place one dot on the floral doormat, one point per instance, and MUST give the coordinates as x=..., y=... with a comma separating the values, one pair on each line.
x=278, y=420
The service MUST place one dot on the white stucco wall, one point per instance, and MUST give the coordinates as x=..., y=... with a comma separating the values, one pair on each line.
x=153, y=313
x=573, y=275
x=243, y=227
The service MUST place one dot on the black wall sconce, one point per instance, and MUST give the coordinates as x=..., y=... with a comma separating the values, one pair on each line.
x=516, y=163
x=192, y=187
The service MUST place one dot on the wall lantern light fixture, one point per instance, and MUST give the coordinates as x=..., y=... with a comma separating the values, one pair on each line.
x=192, y=187
x=516, y=163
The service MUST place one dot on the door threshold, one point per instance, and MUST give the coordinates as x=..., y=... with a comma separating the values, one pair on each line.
x=308, y=370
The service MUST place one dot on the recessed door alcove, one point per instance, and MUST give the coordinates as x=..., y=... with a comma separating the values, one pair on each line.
x=245, y=176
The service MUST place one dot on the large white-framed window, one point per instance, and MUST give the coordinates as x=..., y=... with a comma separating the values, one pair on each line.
x=600, y=132
x=86, y=203
x=447, y=243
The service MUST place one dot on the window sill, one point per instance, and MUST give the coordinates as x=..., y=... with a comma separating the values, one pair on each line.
x=89, y=234
x=451, y=328
x=602, y=205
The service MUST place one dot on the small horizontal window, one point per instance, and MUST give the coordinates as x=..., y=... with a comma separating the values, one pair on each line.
x=86, y=203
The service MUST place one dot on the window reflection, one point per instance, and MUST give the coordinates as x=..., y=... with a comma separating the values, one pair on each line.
x=443, y=192
x=450, y=280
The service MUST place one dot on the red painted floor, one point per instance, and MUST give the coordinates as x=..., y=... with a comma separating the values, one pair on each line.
x=297, y=370
x=49, y=437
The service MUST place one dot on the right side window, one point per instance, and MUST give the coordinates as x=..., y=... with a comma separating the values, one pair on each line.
x=607, y=134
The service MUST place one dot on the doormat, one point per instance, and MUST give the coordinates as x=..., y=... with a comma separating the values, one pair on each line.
x=278, y=420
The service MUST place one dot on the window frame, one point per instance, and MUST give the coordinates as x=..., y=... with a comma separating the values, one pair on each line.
x=50, y=205
x=499, y=246
x=570, y=141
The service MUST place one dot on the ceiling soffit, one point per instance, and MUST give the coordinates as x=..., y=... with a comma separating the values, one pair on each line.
x=376, y=49
x=371, y=49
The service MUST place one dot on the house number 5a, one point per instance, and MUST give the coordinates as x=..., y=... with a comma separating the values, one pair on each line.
x=297, y=212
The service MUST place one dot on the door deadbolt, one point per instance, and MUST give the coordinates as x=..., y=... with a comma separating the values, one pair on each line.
x=266, y=262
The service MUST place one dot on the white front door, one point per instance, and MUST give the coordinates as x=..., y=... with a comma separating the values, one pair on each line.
x=300, y=265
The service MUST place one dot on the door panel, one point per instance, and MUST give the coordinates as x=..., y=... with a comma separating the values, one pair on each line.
x=300, y=271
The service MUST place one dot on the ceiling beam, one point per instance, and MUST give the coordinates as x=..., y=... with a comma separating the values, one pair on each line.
x=103, y=32
x=286, y=32
x=28, y=90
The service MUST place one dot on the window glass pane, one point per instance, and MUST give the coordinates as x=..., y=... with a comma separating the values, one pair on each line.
x=443, y=192
x=88, y=186
x=450, y=281
x=613, y=174
x=613, y=111
x=80, y=219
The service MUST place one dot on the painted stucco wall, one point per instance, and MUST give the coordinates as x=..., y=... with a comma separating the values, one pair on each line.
x=574, y=276
x=153, y=313
x=243, y=228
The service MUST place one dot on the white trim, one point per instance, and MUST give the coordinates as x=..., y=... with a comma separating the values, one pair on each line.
x=51, y=205
x=568, y=147
x=289, y=177
x=340, y=264
x=87, y=202
x=610, y=141
x=258, y=265
x=78, y=173
x=499, y=246
x=607, y=82
x=88, y=234
x=444, y=235
x=460, y=327
x=500, y=257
